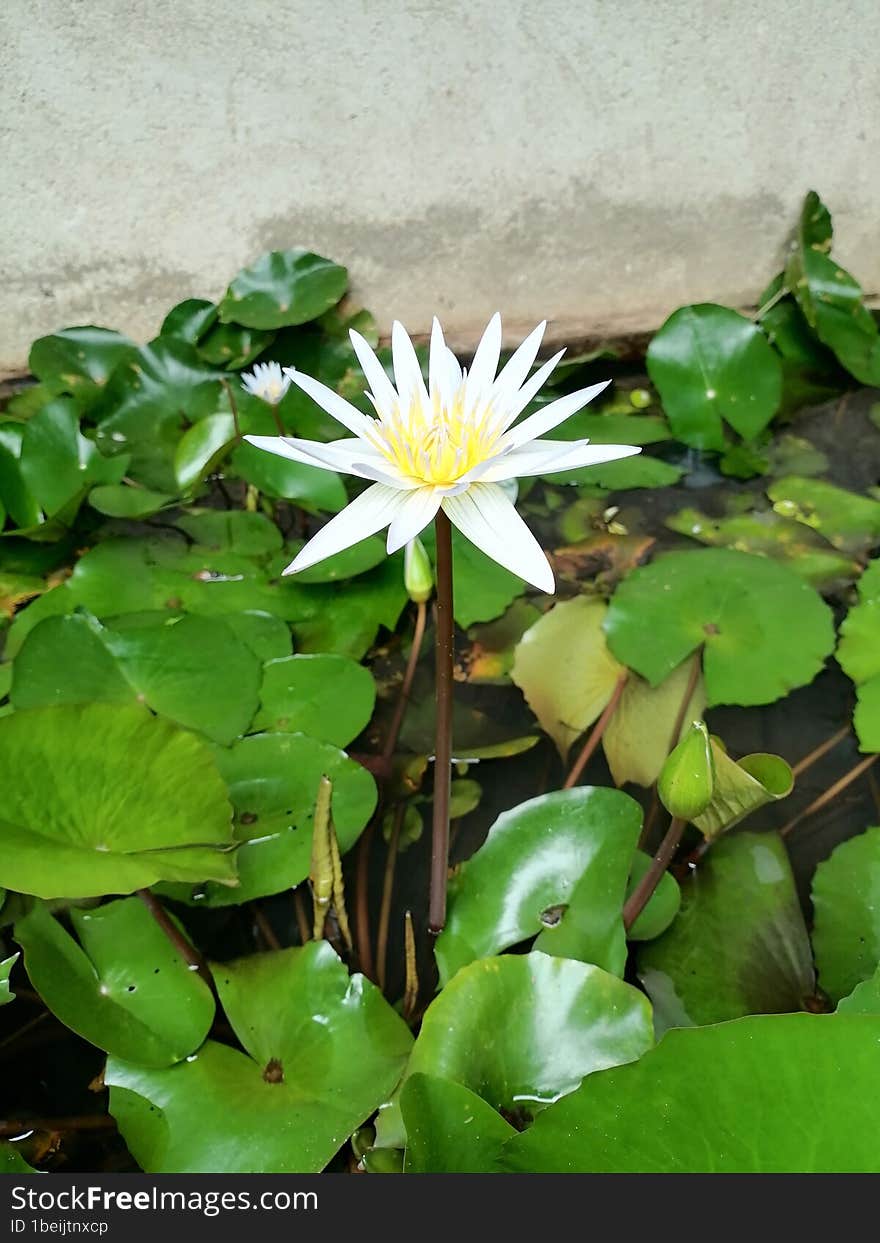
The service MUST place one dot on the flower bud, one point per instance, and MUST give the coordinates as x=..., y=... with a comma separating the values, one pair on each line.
x=687, y=779
x=418, y=576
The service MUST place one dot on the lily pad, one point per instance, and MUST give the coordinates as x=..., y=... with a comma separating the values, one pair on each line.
x=482, y=589
x=12, y=1162
x=848, y=521
x=189, y=320
x=58, y=464
x=720, y=964
x=449, y=1129
x=564, y=668
x=589, y=1020
x=291, y=1100
x=79, y=360
x=315, y=490
x=638, y=737
x=712, y=366
x=846, y=933
x=624, y=473
x=522, y=878
x=735, y=1098
x=358, y=559
x=273, y=782
x=132, y=800
x=283, y=287
x=663, y=905
x=124, y=988
x=231, y=530
x=120, y=500
x=200, y=448
x=864, y=999
x=764, y=631
x=329, y=697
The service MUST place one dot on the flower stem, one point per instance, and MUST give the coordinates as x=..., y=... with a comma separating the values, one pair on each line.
x=823, y=748
x=185, y=949
x=387, y=893
x=595, y=736
x=831, y=793
x=640, y=896
x=443, y=744
x=406, y=685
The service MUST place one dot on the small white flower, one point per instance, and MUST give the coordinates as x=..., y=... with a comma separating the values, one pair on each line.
x=268, y=382
x=449, y=445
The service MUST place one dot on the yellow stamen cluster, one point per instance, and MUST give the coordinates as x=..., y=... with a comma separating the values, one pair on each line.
x=439, y=445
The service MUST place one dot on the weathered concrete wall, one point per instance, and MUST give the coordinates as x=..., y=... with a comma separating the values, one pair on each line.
x=598, y=162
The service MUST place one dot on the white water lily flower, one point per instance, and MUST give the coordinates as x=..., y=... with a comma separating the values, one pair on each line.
x=446, y=446
x=268, y=382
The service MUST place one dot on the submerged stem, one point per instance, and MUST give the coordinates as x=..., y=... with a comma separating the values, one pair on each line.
x=595, y=735
x=832, y=792
x=387, y=892
x=817, y=752
x=640, y=896
x=406, y=685
x=443, y=744
x=185, y=949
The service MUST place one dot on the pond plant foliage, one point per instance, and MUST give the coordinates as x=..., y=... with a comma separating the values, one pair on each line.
x=217, y=775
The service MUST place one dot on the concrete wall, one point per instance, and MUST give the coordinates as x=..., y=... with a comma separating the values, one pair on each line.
x=599, y=163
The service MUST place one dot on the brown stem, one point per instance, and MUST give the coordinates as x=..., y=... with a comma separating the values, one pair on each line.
x=265, y=929
x=638, y=899
x=387, y=892
x=816, y=754
x=831, y=793
x=89, y=1122
x=443, y=746
x=362, y=903
x=185, y=949
x=279, y=426
x=595, y=735
x=302, y=919
x=233, y=406
x=407, y=683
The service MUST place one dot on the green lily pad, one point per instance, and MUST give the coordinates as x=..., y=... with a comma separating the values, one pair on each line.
x=640, y=471
x=345, y=618
x=522, y=878
x=12, y=1162
x=273, y=782
x=329, y=697
x=268, y=637
x=201, y=447
x=16, y=500
x=189, y=320
x=6, y=994
x=764, y=630
x=848, y=521
x=864, y=999
x=132, y=800
x=315, y=490
x=171, y=666
x=736, y=1098
x=232, y=347
x=846, y=932
x=831, y=300
x=613, y=428
x=322, y=1051
x=482, y=589
x=58, y=464
x=231, y=530
x=283, y=287
x=349, y=563
x=638, y=737
x=124, y=987
x=712, y=366
x=119, y=500
x=589, y=1020
x=721, y=964
x=663, y=905
x=569, y=637
x=79, y=360
x=449, y=1129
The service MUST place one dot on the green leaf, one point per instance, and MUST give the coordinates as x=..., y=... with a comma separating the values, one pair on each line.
x=710, y=366
x=346, y=619
x=521, y=879
x=564, y=668
x=273, y=781
x=638, y=737
x=283, y=287
x=858, y=652
x=124, y=987
x=482, y=589
x=831, y=300
x=232, y=347
x=118, y=500
x=323, y=1050
x=329, y=697
x=231, y=530
x=736, y=1098
x=764, y=630
x=12, y=1162
x=171, y=666
x=866, y=718
x=349, y=563
x=189, y=320
x=132, y=800
x=79, y=360
x=449, y=1129
x=721, y=964
x=268, y=637
x=201, y=447
x=623, y=474
x=588, y=1020
x=58, y=464
x=848, y=521
x=663, y=905
x=16, y=500
x=6, y=994
x=846, y=932
x=313, y=489
x=612, y=428
x=741, y=787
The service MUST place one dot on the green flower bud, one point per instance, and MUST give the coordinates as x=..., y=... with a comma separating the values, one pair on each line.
x=418, y=576
x=687, y=779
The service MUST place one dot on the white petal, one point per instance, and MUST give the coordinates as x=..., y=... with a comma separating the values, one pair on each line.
x=529, y=390
x=367, y=514
x=551, y=416
x=443, y=369
x=542, y=457
x=518, y=366
x=351, y=456
x=417, y=510
x=488, y=519
x=383, y=391
x=407, y=372
x=338, y=407
x=482, y=373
